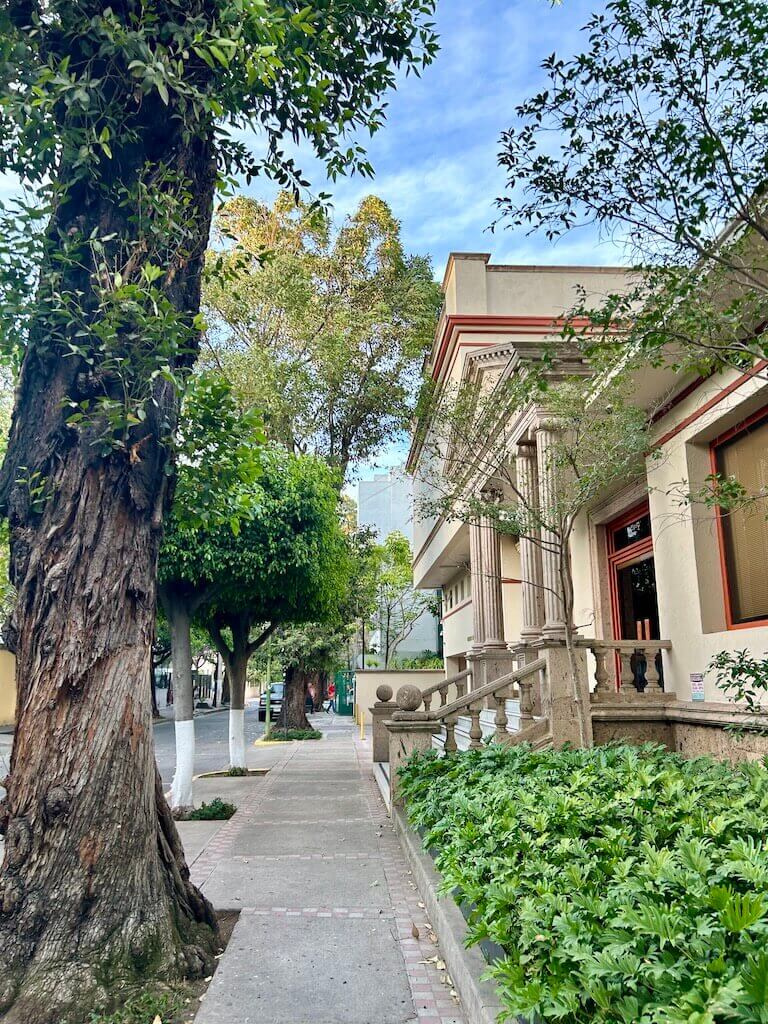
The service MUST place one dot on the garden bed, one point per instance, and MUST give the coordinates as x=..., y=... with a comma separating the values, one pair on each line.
x=621, y=883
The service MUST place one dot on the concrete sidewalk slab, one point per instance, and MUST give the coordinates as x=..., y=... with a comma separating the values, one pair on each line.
x=195, y=836
x=261, y=882
x=322, y=808
x=321, y=971
x=307, y=837
x=326, y=931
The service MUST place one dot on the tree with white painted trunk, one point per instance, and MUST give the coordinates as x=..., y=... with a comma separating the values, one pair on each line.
x=219, y=448
x=288, y=564
x=268, y=552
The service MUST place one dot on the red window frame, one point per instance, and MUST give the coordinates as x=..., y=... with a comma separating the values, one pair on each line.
x=728, y=435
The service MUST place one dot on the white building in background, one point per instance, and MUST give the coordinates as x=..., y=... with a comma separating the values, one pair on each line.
x=385, y=503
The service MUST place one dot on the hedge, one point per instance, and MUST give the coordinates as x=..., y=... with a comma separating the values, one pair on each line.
x=624, y=884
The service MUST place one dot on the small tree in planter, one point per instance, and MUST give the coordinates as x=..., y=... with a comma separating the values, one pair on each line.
x=600, y=439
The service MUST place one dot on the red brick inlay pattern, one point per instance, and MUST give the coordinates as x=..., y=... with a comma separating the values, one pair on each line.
x=430, y=987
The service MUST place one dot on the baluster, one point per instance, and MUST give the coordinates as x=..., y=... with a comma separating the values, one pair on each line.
x=427, y=699
x=526, y=702
x=627, y=674
x=500, y=719
x=475, y=732
x=461, y=687
x=601, y=671
x=450, y=736
x=652, y=678
x=443, y=696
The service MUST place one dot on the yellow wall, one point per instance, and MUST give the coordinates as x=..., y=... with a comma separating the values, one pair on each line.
x=7, y=687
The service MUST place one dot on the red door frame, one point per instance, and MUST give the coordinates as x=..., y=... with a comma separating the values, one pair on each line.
x=621, y=558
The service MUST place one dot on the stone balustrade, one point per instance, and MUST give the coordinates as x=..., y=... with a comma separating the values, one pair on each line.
x=461, y=682
x=638, y=674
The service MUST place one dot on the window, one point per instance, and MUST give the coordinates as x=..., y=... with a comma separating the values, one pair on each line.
x=743, y=454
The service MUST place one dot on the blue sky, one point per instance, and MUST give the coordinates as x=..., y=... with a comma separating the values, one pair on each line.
x=436, y=158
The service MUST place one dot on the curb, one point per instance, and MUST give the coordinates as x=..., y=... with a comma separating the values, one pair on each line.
x=465, y=966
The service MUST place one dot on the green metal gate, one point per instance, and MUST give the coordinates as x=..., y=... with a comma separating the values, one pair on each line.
x=344, y=695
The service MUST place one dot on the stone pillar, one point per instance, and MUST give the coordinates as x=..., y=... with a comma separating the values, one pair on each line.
x=476, y=569
x=493, y=607
x=560, y=705
x=530, y=549
x=409, y=730
x=380, y=712
x=554, y=617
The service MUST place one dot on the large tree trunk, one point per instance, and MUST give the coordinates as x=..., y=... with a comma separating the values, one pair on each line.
x=294, y=700
x=95, y=897
x=180, y=623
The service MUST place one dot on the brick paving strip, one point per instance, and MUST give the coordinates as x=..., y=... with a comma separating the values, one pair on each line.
x=329, y=911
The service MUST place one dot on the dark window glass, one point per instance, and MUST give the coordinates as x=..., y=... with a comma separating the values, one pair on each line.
x=638, y=529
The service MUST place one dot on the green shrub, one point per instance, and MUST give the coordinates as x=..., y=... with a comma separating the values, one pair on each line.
x=216, y=810
x=237, y=773
x=143, y=1009
x=624, y=884
x=283, y=735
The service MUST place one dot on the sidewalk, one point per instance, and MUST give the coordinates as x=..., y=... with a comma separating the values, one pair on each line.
x=329, y=914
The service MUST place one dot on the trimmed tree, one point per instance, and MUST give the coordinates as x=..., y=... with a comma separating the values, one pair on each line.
x=219, y=462
x=284, y=563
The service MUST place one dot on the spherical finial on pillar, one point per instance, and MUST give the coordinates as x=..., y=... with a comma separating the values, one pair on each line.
x=409, y=697
x=384, y=693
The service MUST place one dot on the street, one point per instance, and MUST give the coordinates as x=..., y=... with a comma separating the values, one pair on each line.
x=211, y=742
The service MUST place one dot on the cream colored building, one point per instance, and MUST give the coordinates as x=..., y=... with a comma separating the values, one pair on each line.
x=658, y=583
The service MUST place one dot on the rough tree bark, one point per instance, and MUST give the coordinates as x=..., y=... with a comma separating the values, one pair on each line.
x=95, y=895
x=294, y=699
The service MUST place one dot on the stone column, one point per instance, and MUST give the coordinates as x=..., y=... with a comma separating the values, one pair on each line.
x=476, y=569
x=493, y=606
x=554, y=618
x=530, y=550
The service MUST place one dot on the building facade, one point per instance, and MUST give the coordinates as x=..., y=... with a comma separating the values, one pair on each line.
x=385, y=504
x=665, y=584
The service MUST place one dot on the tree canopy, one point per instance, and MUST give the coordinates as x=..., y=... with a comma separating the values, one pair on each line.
x=325, y=328
x=657, y=132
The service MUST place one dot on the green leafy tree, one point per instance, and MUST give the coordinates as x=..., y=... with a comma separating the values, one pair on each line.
x=325, y=329
x=219, y=461
x=398, y=605
x=122, y=121
x=285, y=562
x=661, y=124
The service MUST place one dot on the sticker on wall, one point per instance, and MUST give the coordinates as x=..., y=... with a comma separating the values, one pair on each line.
x=697, y=686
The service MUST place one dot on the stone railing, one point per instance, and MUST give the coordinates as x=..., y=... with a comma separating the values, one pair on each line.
x=461, y=682
x=638, y=668
x=493, y=696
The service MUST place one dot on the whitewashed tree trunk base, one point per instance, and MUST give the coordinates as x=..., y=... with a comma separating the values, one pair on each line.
x=237, y=738
x=181, y=788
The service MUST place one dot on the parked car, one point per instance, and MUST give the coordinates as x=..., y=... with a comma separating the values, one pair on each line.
x=275, y=702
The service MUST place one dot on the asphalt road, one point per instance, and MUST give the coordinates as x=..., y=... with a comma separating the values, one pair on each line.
x=211, y=742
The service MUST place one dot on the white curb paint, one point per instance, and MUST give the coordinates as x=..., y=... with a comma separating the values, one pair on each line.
x=181, y=789
x=236, y=738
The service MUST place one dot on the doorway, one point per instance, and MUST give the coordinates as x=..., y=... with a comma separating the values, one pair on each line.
x=632, y=572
